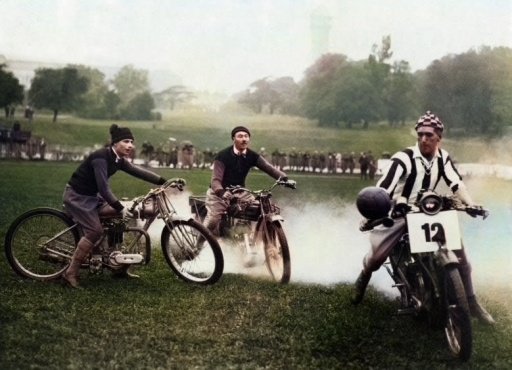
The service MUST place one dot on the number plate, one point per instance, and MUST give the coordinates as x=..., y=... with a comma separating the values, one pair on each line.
x=424, y=230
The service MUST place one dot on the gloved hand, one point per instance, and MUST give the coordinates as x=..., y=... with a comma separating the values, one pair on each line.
x=364, y=225
x=176, y=182
x=126, y=213
x=227, y=196
x=291, y=184
x=400, y=210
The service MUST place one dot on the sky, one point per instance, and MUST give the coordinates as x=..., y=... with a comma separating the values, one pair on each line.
x=224, y=45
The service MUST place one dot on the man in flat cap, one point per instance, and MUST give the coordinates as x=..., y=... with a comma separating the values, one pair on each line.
x=230, y=168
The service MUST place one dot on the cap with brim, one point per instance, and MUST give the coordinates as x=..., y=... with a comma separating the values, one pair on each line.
x=426, y=129
x=238, y=129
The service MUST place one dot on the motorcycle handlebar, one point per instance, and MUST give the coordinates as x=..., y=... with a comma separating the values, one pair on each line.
x=291, y=184
x=371, y=224
x=474, y=211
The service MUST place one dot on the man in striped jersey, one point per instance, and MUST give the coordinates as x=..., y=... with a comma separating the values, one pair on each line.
x=422, y=166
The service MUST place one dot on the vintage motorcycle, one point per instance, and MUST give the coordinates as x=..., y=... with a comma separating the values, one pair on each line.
x=424, y=267
x=254, y=226
x=39, y=244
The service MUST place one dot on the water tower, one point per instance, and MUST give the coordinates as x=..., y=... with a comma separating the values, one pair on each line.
x=320, y=24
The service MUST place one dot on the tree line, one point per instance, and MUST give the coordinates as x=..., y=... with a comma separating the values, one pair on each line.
x=471, y=91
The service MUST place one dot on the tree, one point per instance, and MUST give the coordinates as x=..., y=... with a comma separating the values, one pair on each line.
x=458, y=88
x=261, y=94
x=399, y=97
x=130, y=82
x=93, y=102
x=139, y=108
x=356, y=100
x=499, y=64
x=57, y=89
x=317, y=95
x=175, y=95
x=11, y=92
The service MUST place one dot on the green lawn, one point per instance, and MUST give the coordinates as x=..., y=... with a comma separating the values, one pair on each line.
x=212, y=130
x=242, y=322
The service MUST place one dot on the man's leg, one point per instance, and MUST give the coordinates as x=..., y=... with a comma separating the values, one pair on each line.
x=82, y=250
x=475, y=308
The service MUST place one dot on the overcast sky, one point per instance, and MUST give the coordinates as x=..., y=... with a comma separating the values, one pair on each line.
x=224, y=45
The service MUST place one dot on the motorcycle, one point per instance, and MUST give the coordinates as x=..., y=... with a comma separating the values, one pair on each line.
x=424, y=267
x=39, y=244
x=254, y=226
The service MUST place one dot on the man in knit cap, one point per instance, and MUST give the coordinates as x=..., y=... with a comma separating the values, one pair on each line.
x=88, y=191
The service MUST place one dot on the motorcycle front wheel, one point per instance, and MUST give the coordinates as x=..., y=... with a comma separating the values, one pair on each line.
x=192, y=252
x=40, y=243
x=277, y=252
x=458, y=320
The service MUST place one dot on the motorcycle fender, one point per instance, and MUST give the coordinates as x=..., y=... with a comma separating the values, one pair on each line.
x=446, y=257
x=276, y=218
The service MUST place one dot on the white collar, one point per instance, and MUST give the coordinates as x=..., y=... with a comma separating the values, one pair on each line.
x=237, y=152
x=417, y=154
x=118, y=158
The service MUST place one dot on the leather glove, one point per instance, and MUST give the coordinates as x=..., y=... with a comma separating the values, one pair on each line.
x=126, y=213
x=291, y=184
x=400, y=210
x=227, y=196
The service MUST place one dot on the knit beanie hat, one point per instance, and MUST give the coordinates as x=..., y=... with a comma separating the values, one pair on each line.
x=238, y=129
x=120, y=133
x=430, y=122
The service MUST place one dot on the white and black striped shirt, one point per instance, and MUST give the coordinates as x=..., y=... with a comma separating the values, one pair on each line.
x=409, y=172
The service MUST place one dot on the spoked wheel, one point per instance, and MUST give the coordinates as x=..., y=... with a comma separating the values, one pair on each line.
x=40, y=243
x=277, y=253
x=458, y=322
x=192, y=252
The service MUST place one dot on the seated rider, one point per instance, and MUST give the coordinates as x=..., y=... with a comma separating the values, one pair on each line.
x=230, y=168
x=88, y=192
x=419, y=167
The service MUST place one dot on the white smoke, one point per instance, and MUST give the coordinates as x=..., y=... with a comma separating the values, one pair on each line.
x=327, y=247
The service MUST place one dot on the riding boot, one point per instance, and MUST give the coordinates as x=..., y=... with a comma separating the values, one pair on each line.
x=360, y=286
x=479, y=312
x=71, y=274
x=475, y=308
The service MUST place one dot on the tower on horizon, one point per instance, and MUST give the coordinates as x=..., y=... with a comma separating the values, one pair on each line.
x=320, y=25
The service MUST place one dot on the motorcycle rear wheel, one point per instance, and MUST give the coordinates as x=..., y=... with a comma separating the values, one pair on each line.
x=40, y=243
x=458, y=320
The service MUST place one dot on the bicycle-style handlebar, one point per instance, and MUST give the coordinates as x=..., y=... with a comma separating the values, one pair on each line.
x=177, y=183
x=286, y=183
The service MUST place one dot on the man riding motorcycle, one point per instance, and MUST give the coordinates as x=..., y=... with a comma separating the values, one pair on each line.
x=416, y=168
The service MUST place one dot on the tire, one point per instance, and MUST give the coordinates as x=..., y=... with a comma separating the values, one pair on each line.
x=458, y=320
x=203, y=265
x=40, y=243
x=277, y=253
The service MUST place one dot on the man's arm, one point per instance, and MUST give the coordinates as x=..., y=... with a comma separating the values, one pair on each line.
x=142, y=173
x=99, y=166
x=217, y=176
x=266, y=167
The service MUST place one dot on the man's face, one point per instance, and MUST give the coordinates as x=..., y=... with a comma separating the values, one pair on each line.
x=124, y=147
x=428, y=141
x=241, y=140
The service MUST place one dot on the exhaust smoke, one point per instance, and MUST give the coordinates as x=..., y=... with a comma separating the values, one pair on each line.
x=327, y=247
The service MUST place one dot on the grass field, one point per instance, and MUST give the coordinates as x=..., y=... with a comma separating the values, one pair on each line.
x=212, y=130
x=243, y=321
